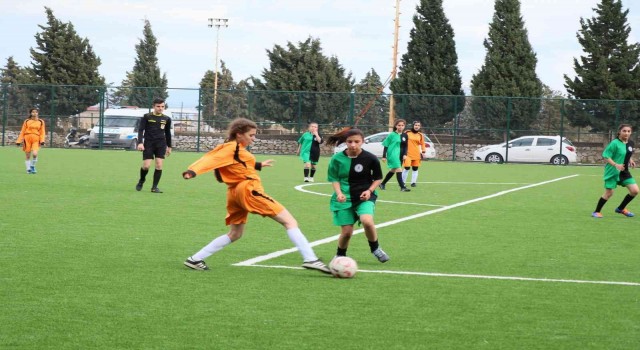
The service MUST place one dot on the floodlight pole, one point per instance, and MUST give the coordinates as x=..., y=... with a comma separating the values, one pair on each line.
x=394, y=69
x=217, y=22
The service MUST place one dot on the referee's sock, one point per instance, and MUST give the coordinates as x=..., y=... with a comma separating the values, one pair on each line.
x=143, y=174
x=156, y=178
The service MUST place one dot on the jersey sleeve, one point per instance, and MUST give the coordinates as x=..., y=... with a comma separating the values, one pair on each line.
x=333, y=171
x=22, y=132
x=42, y=131
x=376, y=169
x=219, y=157
x=141, y=127
x=167, y=132
x=609, y=150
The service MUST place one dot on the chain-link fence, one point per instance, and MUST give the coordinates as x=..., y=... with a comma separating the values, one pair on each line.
x=456, y=124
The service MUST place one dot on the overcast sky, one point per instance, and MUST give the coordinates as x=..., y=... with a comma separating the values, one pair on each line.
x=358, y=32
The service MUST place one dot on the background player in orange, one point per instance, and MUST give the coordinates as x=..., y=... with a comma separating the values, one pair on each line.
x=234, y=165
x=415, y=153
x=31, y=138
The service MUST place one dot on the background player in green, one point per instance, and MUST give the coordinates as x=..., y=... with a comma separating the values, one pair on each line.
x=395, y=149
x=309, y=150
x=154, y=141
x=616, y=172
x=354, y=174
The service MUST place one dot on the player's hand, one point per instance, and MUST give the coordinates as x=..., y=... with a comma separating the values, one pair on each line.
x=189, y=174
x=19, y=144
x=383, y=159
x=267, y=162
x=365, y=195
x=41, y=143
x=341, y=198
x=632, y=163
x=140, y=147
x=168, y=151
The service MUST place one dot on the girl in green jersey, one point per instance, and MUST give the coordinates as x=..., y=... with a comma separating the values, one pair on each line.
x=394, y=153
x=616, y=172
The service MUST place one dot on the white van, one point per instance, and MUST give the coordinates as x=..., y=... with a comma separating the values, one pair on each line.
x=120, y=128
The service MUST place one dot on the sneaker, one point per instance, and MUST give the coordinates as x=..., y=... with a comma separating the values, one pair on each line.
x=316, y=265
x=33, y=170
x=155, y=190
x=404, y=189
x=625, y=212
x=311, y=179
x=413, y=185
x=381, y=255
x=597, y=215
x=382, y=187
x=29, y=171
x=195, y=265
x=306, y=179
x=139, y=186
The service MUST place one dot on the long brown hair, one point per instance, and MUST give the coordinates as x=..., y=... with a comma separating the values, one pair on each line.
x=343, y=135
x=239, y=126
x=622, y=126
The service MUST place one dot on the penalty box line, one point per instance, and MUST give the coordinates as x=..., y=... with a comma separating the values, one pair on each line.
x=276, y=254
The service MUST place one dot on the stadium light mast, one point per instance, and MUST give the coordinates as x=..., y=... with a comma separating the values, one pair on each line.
x=394, y=69
x=217, y=23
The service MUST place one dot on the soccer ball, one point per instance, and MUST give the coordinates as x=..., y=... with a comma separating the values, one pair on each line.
x=343, y=267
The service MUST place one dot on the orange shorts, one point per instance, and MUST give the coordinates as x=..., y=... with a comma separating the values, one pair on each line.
x=408, y=162
x=31, y=143
x=249, y=197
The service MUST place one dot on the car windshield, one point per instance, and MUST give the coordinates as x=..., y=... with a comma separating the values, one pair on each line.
x=122, y=122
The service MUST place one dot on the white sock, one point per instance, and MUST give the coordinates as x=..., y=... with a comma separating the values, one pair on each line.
x=414, y=176
x=33, y=162
x=27, y=163
x=296, y=236
x=215, y=245
x=404, y=175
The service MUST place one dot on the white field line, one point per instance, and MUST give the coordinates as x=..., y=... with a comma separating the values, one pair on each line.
x=455, y=275
x=269, y=256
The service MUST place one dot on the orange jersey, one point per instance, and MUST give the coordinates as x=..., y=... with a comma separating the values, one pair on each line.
x=34, y=127
x=233, y=162
x=415, y=145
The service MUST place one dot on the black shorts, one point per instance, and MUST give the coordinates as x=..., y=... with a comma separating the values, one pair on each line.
x=155, y=149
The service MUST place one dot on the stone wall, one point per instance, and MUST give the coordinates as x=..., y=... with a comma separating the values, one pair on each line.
x=287, y=144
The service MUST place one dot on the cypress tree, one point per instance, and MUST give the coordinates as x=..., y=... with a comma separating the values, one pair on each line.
x=367, y=95
x=303, y=68
x=231, y=101
x=146, y=80
x=609, y=70
x=509, y=70
x=61, y=57
x=16, y=101
x=429, y=67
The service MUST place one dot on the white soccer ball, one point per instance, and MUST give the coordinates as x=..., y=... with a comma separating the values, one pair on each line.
x=343, y=267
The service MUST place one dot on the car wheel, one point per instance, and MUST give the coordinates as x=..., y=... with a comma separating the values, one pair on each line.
x=559, y=160
x=494, y=158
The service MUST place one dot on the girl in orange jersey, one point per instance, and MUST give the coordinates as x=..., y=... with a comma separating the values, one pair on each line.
x=415, y=152
x=31, y=138
x=234, y=165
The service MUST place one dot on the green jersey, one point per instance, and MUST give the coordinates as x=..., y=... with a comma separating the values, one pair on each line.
x=355, y=176
x=620, y=153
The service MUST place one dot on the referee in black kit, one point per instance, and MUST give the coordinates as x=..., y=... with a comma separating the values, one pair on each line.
x=154, y=140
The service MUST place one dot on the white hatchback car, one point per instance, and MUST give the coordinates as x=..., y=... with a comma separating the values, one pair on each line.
x=373, y=144
x=530, y=149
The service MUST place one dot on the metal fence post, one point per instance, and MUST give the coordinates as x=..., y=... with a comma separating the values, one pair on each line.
x=4, y=111
x=199, y=119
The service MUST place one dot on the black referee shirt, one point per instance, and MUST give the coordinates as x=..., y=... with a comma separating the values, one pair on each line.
x=154, y=128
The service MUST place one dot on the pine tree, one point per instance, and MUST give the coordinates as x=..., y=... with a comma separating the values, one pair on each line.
x=429, y=67
x=303, y=68
x=14, y=98
x=368, y=96
x=609, y=70
x=231, y=101
x=509, y=70
x=61, y=57
x=146, y=80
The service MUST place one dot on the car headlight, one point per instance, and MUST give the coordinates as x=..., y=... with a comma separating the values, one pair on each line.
x=482, y=149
